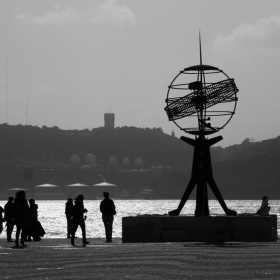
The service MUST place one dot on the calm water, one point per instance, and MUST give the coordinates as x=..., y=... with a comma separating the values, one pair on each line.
x=52, y=217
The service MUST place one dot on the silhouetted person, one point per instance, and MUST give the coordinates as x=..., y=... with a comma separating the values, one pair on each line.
x=1, y=219
x=69, y=214
x=78, y=219
x=34, y=229
x=8, y=210
x=20, y=216
x=264, y=209
x=108, y=210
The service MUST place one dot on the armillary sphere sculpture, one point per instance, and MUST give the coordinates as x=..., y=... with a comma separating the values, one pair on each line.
x=208, y=103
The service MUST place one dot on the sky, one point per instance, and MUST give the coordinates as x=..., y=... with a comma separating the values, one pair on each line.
x=71, y=61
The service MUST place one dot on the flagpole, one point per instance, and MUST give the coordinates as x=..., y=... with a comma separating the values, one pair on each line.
x=6, y=90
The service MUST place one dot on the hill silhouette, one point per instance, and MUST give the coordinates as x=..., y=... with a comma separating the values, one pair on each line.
x=30, y=155
x=152, y=145
x=249, y=170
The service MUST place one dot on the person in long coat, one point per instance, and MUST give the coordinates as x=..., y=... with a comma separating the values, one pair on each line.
x=69, y=214
x=108, y=210
x=21, y=217
x=35, y=228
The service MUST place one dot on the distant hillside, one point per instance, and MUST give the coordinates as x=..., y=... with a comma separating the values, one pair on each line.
x=249, y=170
x=246, y=171
x=32, y=155
x=152, y=145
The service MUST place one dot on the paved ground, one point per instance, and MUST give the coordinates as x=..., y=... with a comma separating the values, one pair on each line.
x=57, y=259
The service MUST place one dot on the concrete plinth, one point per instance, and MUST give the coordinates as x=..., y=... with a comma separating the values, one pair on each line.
x=198, y=229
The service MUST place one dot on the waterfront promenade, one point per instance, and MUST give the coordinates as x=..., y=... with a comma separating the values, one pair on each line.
x=57, y=259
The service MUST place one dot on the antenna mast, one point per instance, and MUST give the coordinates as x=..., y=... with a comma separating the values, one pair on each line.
x=6, y=90
x=27, y=111
x=201, y=78
x=200, y=49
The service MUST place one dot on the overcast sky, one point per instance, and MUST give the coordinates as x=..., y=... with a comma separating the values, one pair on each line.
x=76, y=60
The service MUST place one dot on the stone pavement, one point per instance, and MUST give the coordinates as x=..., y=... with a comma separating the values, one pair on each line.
x=57, y=259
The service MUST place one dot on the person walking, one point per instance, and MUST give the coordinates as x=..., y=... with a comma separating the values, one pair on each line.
x=21, y=217
x=79, y=219
x=69, y=214
x=8, y=210
x=108, y=210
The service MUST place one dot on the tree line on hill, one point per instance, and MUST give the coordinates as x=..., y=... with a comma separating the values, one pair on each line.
x=245, y=171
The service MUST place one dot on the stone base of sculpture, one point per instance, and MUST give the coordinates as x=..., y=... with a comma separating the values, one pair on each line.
x=153, y=228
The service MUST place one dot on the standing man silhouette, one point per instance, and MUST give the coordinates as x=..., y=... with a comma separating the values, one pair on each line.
x=108, y=210
x=21, y=216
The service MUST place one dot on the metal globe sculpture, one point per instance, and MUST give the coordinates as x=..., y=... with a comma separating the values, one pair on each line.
x=209, y=102
x=201, y=100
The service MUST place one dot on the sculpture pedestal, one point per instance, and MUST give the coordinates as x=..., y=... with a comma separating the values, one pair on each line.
x=199, y=229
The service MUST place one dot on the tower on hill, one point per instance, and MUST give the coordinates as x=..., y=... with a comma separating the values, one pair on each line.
x=109, y=120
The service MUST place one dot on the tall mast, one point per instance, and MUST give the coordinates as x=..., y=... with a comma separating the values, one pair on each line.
x=200, y=52
x=6, y=90
x=201, y=74
x=27, y=111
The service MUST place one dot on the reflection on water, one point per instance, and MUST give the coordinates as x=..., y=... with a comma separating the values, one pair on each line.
x=51, y=213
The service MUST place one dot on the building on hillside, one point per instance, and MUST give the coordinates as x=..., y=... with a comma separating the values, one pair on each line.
x=100, y=188
x=48, y=192
x=109, y=120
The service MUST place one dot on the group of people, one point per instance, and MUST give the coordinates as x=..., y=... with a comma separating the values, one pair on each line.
x=17, y=212
x=24, y=215
x=76, y=216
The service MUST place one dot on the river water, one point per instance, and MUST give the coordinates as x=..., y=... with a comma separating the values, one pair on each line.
x=52, y=217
